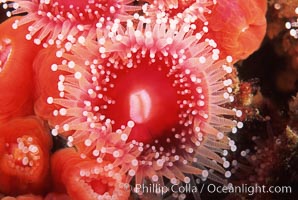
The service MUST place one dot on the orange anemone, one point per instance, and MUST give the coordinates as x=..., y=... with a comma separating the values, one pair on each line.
x=16, y=85
x=46, y=81
x=87, y=179
x=237, y=26
x=24, y=156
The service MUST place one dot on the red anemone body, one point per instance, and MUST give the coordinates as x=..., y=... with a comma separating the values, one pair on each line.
x=16, y=76
x=24, y=156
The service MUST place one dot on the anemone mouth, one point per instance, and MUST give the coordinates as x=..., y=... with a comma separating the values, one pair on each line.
x=98, y=180
x=23, y=156
x=250, y=23
x=5, y=52
x=149, y=93
x=99, y=185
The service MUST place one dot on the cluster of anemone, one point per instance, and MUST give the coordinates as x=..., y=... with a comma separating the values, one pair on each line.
x=140, y=91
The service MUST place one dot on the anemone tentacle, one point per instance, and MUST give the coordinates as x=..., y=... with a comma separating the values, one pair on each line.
x=54, y=21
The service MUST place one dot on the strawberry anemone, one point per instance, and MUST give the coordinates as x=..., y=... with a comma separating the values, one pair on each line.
x=25, y=148
x=239, y=36
x=16, y=83
x=243, y=29
x=87, y=179
x=58, y=20
x=159, y=92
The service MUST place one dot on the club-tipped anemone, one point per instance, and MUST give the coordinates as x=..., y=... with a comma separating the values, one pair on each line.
x=15, y=64
x=243, y=29
x=25, y=147
x=88, y=179
x=54, y=21
x=159, y=92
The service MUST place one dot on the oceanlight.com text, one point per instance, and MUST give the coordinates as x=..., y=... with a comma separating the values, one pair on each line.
x=211, y=188
x=248, y=189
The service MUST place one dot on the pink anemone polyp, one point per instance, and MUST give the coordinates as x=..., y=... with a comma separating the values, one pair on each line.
x=157, y=94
